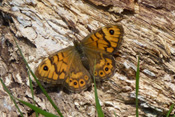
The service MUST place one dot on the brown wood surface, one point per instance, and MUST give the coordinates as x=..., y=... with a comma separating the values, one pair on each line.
x=43, y=27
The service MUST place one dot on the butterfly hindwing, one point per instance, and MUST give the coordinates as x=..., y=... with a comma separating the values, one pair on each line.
x=78, y=78
x=103, y=65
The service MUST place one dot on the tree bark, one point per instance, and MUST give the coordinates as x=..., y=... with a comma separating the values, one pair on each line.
x=42, y=27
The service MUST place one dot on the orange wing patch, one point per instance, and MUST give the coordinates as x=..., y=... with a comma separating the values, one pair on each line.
x=106, y=39
x=53, y=69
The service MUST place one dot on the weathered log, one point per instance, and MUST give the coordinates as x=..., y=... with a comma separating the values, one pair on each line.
x=43, y=27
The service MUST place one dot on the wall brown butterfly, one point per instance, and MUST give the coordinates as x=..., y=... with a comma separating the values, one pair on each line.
x=74, y=66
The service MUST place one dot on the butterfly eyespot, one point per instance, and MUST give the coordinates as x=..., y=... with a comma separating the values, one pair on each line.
x=70, y=80
x=82, y=82
x=106, y=69
x=108, y=63
x=45, y=68
x=111, y=32
x=86, y=77
x=101, y=73
x=95, y=73
x=75, y=83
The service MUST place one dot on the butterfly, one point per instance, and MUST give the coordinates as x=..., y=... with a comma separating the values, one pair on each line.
x=75, y=66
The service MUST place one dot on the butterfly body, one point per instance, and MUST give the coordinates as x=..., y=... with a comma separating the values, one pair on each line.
x=74, y=66
x=83, y=57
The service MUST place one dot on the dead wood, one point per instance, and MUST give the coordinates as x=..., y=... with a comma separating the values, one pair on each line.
x=43, y=27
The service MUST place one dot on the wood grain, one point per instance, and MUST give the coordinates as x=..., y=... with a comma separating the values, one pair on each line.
x=43, y=27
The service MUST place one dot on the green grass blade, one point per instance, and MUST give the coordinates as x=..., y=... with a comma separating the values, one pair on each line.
x=98, y=107
x=39, y=84
x=137, y=87
x=38, y=110
x=115, y=114
x=170, y=110
x=31, y=85
x=11, y=96
x=31, y=88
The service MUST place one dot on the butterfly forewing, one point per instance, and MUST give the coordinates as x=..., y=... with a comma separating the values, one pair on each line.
x=106, y=39
x=54, y=68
